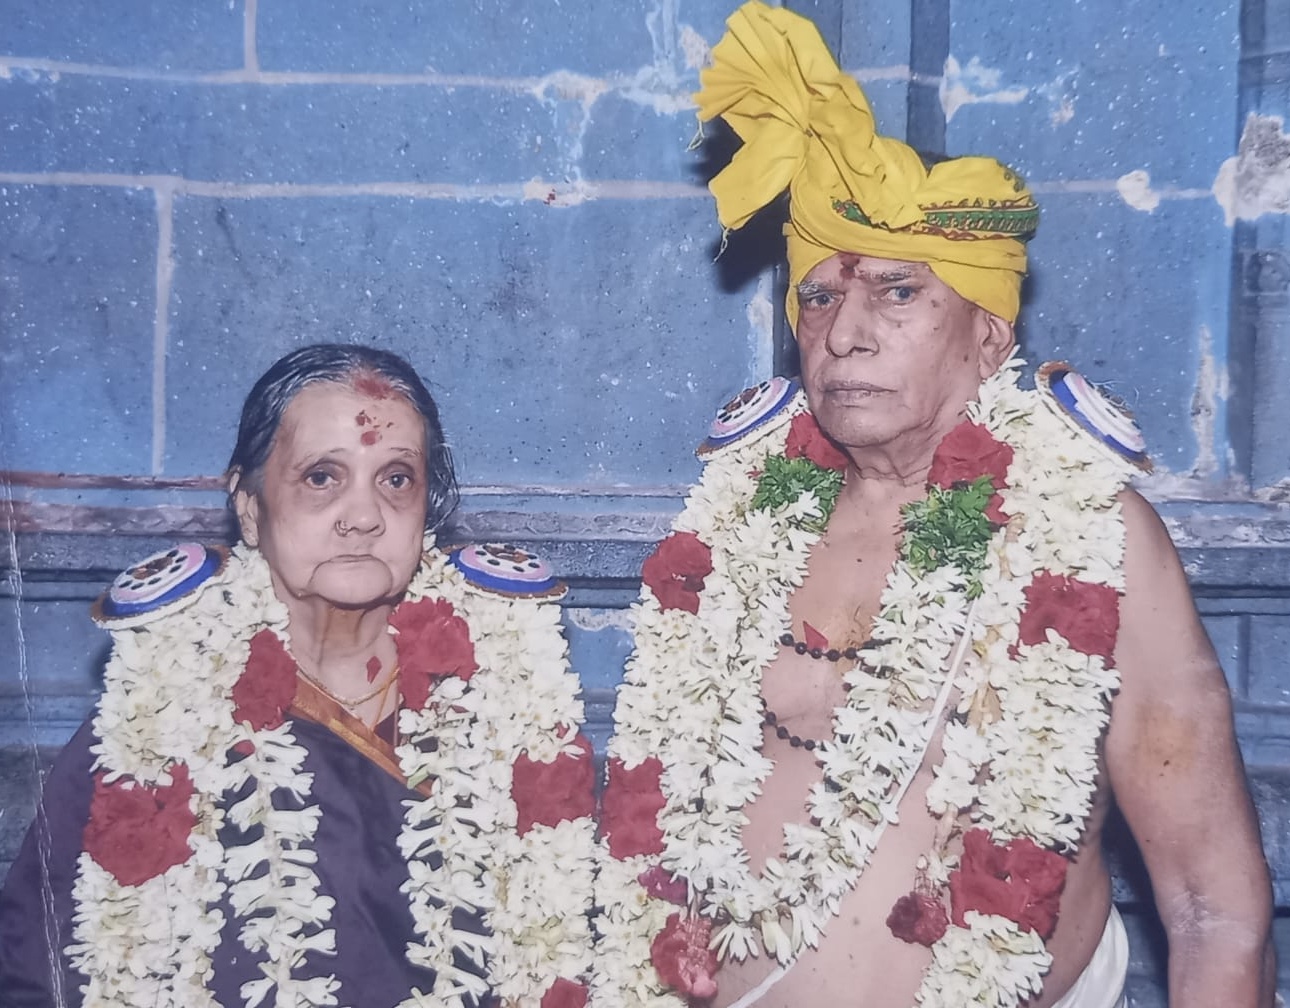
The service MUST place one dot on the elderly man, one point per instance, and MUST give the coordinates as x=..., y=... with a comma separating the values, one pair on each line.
x=889, y=678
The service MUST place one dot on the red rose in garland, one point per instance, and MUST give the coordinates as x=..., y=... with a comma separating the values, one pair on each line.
x=267, y=685
x=967, y=452
x=629, y=810
x=675, y=571
x=564, y=994
x=551, y=793
x=806, y=440
x=1021, y=881
x=918, y=919
x=682, y=958
x=137, y=831
x=1086, y=615
x=432, y=642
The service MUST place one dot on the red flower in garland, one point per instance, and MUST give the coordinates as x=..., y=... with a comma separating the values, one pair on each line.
x=564, y=994
x=1021, y=881
x=551, y=793
x=967, y=453
x=662, y=884
x=675, y=571
x=137, y=831
x=806, y=440
x=432, y=642
x=267, y=685
x=682, y=958
x=629, y=810
x=1087, y=615
x=919, y=919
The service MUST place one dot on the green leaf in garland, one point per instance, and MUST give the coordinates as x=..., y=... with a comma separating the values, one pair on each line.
x=784, y=480
x=949, y=528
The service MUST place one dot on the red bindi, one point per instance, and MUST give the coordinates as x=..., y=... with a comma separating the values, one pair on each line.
x=370, y=437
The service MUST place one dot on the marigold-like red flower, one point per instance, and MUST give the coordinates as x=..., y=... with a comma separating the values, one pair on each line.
x=682, y=958
x=136, y=831
x=1087, y=615
x=550, y=793
x=919, y=919
x=432, y=642
x=662, y=884
x=967, y=453
x=675, y=571
x=630, y=807
x=807, y=440
x=267, y=685
x=565, y=994
x=1021, y=881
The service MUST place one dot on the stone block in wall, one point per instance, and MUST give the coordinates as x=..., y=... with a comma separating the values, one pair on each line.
x=77, y=282
x=161, y=36
x=496, y=38
x=1269, y=645
x=267, y=132
x=1073, y=96
x=497, y=305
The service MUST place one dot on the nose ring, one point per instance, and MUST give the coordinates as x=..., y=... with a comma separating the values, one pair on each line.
x=344, y=528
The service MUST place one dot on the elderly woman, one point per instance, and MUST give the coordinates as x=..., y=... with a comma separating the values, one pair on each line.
x=333, y=765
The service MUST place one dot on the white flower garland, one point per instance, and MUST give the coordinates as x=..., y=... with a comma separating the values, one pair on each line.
x=168, y=699
x=692, y=699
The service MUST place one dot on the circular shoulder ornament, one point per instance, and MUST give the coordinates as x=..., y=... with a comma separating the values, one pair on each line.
x=161, y=584
x=1088, y=410
x=750, y=410
x=506, y=570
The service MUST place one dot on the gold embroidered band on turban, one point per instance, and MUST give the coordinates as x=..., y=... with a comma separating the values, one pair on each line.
x=807, y=127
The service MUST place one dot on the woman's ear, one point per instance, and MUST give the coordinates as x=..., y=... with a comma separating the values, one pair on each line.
x=997, y=343
x=247, y=508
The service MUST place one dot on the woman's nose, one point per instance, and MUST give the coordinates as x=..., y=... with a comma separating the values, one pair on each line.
x=360, y=513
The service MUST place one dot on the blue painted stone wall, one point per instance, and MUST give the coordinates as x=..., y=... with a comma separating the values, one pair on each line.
x=502, y=191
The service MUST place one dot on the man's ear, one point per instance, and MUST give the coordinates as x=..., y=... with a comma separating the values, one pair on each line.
x=247, y=508
x=997, y=343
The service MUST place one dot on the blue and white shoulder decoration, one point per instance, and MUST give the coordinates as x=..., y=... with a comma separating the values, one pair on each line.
x=1087, y=410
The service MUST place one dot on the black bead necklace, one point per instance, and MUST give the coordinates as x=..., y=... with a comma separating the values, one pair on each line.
x=770, y=719
x=829, y=654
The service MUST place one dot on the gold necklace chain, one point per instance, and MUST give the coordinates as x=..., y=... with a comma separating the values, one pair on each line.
x=350, y=704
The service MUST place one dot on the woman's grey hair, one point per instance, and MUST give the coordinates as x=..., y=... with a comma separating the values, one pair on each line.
x=341, y=363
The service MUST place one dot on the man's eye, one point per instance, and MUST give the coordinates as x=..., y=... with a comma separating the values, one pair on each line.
x=820, y=299
x=901, y=295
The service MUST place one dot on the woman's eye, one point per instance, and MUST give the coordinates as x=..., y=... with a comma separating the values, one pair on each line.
x=318, y=478
x=901, y=295
x=400, y=481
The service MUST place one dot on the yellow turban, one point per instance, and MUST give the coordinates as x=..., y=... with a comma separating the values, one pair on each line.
x=807, y=127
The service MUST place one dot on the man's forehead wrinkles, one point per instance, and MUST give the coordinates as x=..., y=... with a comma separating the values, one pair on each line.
x=885, y=276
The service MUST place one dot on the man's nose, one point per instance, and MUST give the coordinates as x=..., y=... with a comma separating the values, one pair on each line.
x=852, y=331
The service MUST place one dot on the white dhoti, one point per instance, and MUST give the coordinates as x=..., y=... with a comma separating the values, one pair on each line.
x=1101, y=985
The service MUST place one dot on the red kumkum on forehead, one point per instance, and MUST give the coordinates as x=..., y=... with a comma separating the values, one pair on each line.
x=373, y=386
x=370, y=437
